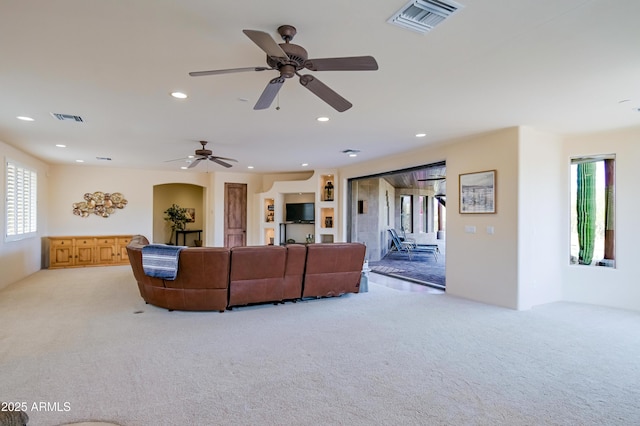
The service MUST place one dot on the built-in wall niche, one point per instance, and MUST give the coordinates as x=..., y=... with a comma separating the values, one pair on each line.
x=269, y=236
x=326, y=238
x=269, y=210
x=327, y=187
x=297, y=198
x=327, y=217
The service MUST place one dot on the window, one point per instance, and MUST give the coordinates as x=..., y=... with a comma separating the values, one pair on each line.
x=22, y=195
x=406, y=210
x=593, y=211
x=422, y=214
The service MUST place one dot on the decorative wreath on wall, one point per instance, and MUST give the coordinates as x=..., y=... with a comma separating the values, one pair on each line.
x=102, y=204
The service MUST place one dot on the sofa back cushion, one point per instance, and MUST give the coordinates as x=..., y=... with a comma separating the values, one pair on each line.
x=202, y=268
x=257, y=274
x=333, y=269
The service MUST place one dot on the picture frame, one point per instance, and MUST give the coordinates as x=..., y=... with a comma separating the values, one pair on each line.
x=478, y=192
x=191, y=214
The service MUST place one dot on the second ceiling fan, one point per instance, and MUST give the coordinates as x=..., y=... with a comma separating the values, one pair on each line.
x=289, y=59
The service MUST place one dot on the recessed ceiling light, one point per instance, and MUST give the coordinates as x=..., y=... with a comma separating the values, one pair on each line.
x=179, y=95
x=249, y=167
x=420, y=135
x=59, y=145
x=304, y=164
x=184, y=167
x=79, y=161
x=24, y=118
x=322, y=119
x=353, y=154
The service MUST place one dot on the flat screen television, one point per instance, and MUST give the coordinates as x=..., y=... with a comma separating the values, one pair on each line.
x=300, y=212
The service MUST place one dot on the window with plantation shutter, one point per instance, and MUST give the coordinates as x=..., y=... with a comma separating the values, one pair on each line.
x=21, y=202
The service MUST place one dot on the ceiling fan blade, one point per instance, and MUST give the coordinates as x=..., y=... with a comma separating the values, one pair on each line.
x=217, y=160
x=177, y=159
x=194, y=163
x=431, y=179
x=352, y=63
x=227, y=71
x=325, y=93
x=223, y=158
x=266, y=43
x=269, y=93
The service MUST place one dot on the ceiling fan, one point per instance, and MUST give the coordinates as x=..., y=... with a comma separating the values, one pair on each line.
x=431, y=179
x=206, y=154
x=288, y=59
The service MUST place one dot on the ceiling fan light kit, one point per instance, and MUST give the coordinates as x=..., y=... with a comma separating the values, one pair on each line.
x=289, y=59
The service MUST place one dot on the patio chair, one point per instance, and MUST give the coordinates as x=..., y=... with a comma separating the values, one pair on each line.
x=428, y=248
x=406, y=239
x=411, y=246
x=398, y=245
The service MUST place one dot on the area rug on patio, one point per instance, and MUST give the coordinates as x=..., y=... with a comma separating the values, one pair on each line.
x=422, y=268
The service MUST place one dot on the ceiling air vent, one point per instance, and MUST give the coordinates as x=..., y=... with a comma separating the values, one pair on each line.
x=67, y=117
x=424, y=15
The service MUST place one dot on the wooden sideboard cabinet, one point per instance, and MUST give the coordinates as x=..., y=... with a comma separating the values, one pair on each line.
x=69, y=252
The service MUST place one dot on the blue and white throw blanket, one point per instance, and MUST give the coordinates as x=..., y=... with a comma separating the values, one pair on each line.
x=161, y=260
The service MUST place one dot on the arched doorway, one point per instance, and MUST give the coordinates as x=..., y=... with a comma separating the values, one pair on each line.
x=184, y=195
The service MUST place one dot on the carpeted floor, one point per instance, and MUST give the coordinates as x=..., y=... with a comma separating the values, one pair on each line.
x=83, y=342
x=422, y=268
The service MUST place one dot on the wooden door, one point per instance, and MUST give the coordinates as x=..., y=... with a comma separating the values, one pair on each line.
x=235, y=214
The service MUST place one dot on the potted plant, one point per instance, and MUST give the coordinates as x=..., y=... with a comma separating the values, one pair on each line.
x=177, y=218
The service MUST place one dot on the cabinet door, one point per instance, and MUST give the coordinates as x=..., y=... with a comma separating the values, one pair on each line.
x=61, y=256
x=84, y=251
x=106, y=254
x=121, y=250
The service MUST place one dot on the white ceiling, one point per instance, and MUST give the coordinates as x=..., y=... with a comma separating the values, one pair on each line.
x=558, y=65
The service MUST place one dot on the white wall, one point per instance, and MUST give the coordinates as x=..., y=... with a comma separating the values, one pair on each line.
x=617, y=287
x=23, y=257
x=542, y=232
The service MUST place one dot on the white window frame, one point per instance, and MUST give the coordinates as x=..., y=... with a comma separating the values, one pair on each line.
x=21, y=201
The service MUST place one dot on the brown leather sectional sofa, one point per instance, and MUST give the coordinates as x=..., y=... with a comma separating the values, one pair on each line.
x=216, y=278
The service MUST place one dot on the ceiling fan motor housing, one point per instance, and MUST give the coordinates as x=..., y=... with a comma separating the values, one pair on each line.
x=288, y=67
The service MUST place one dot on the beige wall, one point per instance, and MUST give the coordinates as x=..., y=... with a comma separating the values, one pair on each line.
x=605, y=286
x=70, y=183
x=480, y=266
x=523, y=264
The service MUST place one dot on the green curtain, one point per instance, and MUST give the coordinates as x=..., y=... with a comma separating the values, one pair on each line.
x=586, y=211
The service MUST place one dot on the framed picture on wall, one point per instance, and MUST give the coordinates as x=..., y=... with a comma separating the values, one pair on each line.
x=191, y=214
x=478, y=192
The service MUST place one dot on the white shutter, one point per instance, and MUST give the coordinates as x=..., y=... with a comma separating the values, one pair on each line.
x=21, y=202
